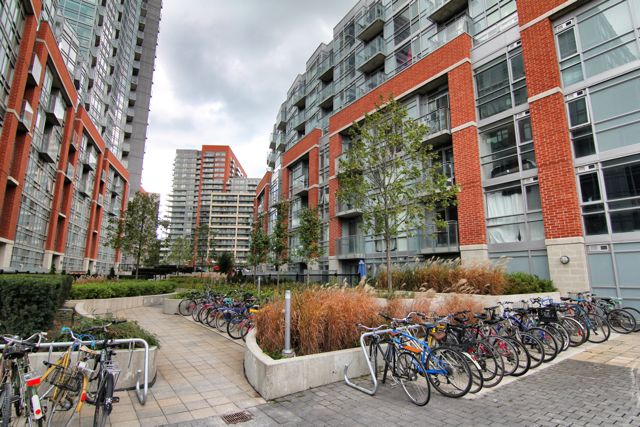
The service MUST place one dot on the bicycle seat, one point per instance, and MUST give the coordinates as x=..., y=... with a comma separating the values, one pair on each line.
x=87, y=350
x=565, y=299
x=493, y=307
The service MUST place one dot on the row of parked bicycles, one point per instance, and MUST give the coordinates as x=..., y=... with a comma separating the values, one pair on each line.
x=463, y=353
x=232, y=313
x=83, y=374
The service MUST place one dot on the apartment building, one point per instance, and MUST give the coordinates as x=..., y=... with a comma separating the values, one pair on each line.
x=533, y=108
x=210, y=187
x=61, y=176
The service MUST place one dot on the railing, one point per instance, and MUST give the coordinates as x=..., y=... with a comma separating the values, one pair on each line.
x=370, y=83
x=342, y=208
x=373, y=13
x=438, y=240
x=326, y=64
x=436, y=121
x=350, y=246
x=298, y=119
x=326, y=92
x=299, y=185
x=271, y=158
x=70, y=171
x=375, y=47
x=298, y=92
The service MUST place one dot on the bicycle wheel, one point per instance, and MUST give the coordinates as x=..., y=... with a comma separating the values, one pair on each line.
x=196, y=311
x=413, y=378
x=566, y=341
x=245, y=327
x=222, y=319
x=548, y=341
x=508, y=352
x=534, y=348
x=636, y=314
x=233, y=326
x=490, y=362
x=211, y=317
x=104, y=401
x=600, y=330
x=478, y=381
x=556, y=334
x=524, y=360
x=577, y=332
x=186, y=307
x=5, y=404
x=449, y=372
x=621, y=321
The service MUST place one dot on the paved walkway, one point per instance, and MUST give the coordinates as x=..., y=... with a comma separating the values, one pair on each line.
x=200, y=374
x=599, y=386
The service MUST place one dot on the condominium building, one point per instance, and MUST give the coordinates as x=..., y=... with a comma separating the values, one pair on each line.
x=533, y=108
x=210, y=187
x=63, y=177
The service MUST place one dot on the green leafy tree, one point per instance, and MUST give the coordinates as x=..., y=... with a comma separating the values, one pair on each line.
x=392, y=176
x=309, y=231
x=279, y=239
x=226, y=263
x=135, y=232
x=181, y=251
x=258, y=246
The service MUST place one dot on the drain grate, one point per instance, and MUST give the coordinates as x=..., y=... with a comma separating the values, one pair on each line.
x=237, y=417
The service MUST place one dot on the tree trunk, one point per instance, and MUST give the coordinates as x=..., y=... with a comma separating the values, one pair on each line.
x=138, y=255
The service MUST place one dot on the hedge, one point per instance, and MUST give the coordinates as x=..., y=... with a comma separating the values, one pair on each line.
x=28, y=303
x=523, y=283
x=129, y=288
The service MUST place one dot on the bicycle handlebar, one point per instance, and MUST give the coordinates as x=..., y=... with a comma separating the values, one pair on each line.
x=29, y=341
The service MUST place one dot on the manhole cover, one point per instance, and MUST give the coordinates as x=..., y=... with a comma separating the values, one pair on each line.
x=237, y=417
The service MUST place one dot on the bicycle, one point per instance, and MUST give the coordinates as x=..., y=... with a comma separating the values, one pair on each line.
x=620, y=319
x=18, y=384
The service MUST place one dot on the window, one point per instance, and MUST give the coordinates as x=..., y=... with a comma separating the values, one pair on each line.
x=514, y=214
x=507, y=148
x=597, y=40
x=486, y=13
x=501, y=84
x=619, y=210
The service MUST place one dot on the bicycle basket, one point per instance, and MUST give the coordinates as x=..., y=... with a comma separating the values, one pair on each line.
x=67, y=380
x=547, y=314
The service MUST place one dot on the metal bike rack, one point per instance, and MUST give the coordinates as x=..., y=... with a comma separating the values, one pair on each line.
x=140, y=393
x=366, y=356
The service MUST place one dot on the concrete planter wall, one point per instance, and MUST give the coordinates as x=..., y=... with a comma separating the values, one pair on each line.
x=170, y=306
x=97, y=307
x=276, y=378
x=486, y=300
x=128, y=372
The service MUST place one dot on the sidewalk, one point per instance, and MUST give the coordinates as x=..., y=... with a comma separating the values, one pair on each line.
x=200, y=374
x=599, y=386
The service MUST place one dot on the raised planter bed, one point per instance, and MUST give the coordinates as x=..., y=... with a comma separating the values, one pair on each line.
x=486, y=300
x=170, y=306
x=97, y=307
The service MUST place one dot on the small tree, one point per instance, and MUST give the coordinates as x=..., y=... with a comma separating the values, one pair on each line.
x=226, y=263
x=203, y=251
x=309, y=231
x=181, y=251
x=135, y=232
x=259, y=246
x=392, y=176
x=279, y=239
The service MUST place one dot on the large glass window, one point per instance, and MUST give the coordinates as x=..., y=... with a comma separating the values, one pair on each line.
x=507, y=148
x=514, y=214
x=501, y=84
x=598, y=40
x=611, y=197
x=486, y=13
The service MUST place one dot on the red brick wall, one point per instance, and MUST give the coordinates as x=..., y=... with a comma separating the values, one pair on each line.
x=302, y=146
x=471, y=222
x=558, y=191
x=314, y=160
x=528, y=10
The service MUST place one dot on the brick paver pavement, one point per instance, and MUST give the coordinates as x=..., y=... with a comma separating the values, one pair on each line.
x=598, y=386
x=200, y=374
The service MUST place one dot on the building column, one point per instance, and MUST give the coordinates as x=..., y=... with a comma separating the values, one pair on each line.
x=558, y=189
x=472, y=233
x=335, y=231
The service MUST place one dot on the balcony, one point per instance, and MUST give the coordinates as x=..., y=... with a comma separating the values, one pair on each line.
x=372, y=56
x=299, y=186
x=370, y=83
x=347, y=210
x=326, y=97
x=100, y=200
x=50, y=146
x=371, y=23
x=350, y=247
x=34, y=71
x=70, y=172
x=128, y=130
x=90, y=159
x=299, y=95
x=441, y=11
x=433, y=240
x=273, y=141
x=271, y=159
x=298, y=121
x=325, y=69
x=438, y=124
x=282, y=118
x=281, y=142
x=26, y=116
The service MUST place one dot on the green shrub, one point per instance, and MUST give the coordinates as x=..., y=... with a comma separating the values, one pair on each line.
x=125, y=288
x=129, y=329
x=28, y=303
x=523, y=283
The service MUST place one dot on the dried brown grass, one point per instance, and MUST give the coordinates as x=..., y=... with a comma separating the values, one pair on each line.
x=454, y=303
x=321, y=320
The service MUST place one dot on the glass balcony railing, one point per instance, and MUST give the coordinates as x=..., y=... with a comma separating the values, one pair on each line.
x=347, y=210
x=298, y=94
x=299, y=185
x=371, y=23
x=325, y=69
x=433, y=240
x=366, y=85
x=442, y=10
x=326, y=94
x=436, y=121
x=350, y=247
x=298, y=120
x=372, y=56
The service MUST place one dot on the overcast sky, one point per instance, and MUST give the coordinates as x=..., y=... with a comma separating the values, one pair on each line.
x=222, y=70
